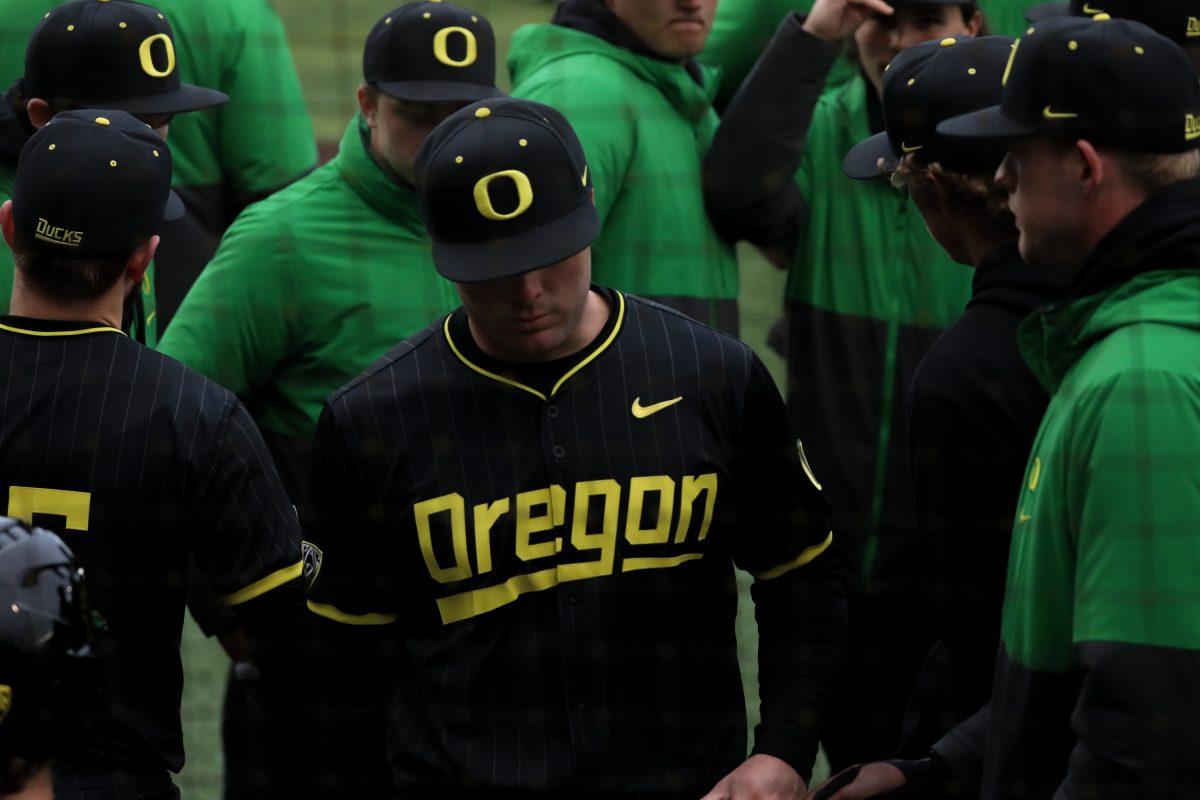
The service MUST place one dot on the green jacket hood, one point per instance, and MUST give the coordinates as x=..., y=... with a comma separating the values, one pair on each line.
x=395, y=200
x=537, y=46
x=1056, y=337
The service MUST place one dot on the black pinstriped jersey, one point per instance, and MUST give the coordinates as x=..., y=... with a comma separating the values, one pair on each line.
x=135, y=460
x=552, y=573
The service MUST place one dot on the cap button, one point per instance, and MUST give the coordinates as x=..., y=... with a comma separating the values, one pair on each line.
x=102, y=120
x=949, y=42
x=483, y=113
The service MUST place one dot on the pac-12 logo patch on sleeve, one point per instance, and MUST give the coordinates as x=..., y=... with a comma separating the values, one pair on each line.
x=311, y=556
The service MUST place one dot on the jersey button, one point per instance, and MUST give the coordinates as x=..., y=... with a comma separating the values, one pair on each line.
x=581, y=701
x=552, y=412
x=559, y=451
x=575, y=599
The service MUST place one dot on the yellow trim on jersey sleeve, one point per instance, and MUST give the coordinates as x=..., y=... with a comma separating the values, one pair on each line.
x=99, y=329
x=518, y=385
x=806, y=555
x=337, y=615
x=263, y=585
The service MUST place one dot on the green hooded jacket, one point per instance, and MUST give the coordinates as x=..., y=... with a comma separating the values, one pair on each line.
x=307, y=289
x=645, y=125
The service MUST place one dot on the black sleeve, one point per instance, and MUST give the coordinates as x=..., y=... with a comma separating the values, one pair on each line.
x=247, y=545
x=353, y=619
x=1137, y=723
x=749, y=173
x=963, y=748
x=800, y=602
x=966, y=478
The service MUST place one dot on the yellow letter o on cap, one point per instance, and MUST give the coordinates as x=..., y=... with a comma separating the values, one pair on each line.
x=483, y=200
x=443, y=55
x=147, y=58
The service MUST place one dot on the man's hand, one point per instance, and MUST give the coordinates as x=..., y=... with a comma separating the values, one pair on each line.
x=860, y=782
x=760, y=777
x=834, y=20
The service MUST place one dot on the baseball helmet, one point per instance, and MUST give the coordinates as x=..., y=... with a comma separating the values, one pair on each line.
x=48, y=680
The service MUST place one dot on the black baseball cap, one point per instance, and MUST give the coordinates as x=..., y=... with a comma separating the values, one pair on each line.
x=1178, y=20
x=432, y=52
x=925, y=85
x=504, y=189
x=1110, y=81
x=93, y=183
x=114, y=54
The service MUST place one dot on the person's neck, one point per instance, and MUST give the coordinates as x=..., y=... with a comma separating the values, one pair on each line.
x=980, y=241
x=106, y=309
x=383, y=164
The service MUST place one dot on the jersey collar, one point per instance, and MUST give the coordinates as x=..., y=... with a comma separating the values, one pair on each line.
x=31, y=326
x=591, y=355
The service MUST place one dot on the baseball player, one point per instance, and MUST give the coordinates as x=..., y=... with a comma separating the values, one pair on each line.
x=624, y=73
x=48, y=680
x=974, y=406
x=868, y=293
x=132, y=458
x=115, y=54
x=525, y=519
x=313, y=284
x=1095, y=685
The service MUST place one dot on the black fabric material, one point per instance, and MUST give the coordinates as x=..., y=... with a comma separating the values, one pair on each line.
x=973, y=411
x=749, y=186
x=889, y=635
x=596, y=18
x=1162, y=233
x=15, y=128
x=621, y=682
x=92, y=783
x=834, y=401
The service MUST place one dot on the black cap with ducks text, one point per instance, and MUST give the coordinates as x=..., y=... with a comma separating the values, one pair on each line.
x=432, y=52
x=1178, y=20
x=925, y=85
x=504, y=189
x=93, y=183
x=1110, y=81
x=110, y=54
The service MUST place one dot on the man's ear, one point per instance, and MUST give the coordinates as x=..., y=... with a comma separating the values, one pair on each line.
x=1092, y=171
x=975, y=25
x=39, y=112
x=139, y=261
x=368, y=105
x=7, y=225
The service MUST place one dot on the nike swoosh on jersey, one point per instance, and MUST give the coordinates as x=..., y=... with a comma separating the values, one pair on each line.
x=908, y=149
x=641, y=412
x=1024, y=518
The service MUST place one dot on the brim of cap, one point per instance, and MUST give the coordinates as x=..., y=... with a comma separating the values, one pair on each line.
x=988, y=123
x=174, y=209
x=1044, y=11
x=862, y=162
x=185, y=98
x=523, y=252
x=439, y=91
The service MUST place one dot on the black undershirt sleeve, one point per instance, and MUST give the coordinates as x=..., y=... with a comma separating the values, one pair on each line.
x=749, y=173
x=799, y=599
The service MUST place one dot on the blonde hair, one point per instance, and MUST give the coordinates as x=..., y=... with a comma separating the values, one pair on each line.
x=1153, y=172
